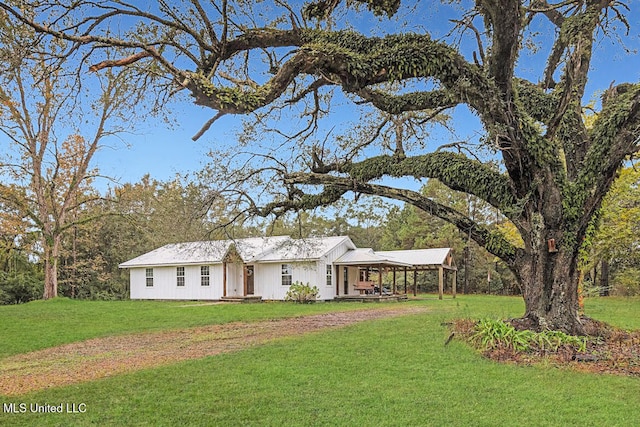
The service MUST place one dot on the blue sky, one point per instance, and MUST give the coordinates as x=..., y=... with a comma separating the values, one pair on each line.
x=163, y=151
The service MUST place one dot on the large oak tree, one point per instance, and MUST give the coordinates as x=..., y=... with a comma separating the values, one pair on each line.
x=554, y=171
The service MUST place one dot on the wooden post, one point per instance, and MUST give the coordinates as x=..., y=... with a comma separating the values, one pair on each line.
x=244, y=280
x=454, y=283
x=394, y=281
x=405, y=280
x=345, y=280
x=224, y=279
x=380, y=279
x=440, y=282
x=415, y=282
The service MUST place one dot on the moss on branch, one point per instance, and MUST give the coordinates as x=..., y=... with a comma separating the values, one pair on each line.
x=357, y=61
x=536, y=102
x=336, y=186
x=329, y=194
x=414, y=101
x=322, y=9
x=233, y=99
x=454, y=170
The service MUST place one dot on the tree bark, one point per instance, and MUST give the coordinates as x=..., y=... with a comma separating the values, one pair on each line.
x=51, y=257
x=549, y=283
x=50, y=278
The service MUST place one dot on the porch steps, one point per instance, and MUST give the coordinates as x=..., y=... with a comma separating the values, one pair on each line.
x=242, y=299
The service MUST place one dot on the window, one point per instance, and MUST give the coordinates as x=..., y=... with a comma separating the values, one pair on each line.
x=286, y=275
x=149, y=276
x=329, y=275
x=204, y=275
x=180, y=276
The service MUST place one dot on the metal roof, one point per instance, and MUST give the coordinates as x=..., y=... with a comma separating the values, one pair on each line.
x=408, y=258
x=251, y=250
x=307, y=249
x=285, y=248
x=367, y=257
x=420, y=257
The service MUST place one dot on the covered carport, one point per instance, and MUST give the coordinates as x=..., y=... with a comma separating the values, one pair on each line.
x=414, y=260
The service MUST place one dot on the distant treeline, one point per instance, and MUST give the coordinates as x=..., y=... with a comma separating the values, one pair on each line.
x=136, y=218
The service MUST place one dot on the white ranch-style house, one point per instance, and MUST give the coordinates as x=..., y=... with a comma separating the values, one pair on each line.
x=264, y=268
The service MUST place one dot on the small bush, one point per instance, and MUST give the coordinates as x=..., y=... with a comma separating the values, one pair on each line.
x=302, y=294
x=20, y=288
x=627, y=282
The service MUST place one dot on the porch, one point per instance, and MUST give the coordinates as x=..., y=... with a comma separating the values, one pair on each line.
x=376, y=265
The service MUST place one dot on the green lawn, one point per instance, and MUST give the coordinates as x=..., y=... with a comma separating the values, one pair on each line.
x=391, y=372
x=42, y=324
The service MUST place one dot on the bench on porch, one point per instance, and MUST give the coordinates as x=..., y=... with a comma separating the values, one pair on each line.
x=364, y=287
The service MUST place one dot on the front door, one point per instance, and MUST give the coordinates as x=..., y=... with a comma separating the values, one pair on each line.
x=249, y=273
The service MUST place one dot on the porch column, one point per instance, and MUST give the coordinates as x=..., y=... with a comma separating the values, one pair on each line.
x=415, y=282
x=380, y=279
x=244, y=280
x=405, y=280
x=440, y=282
x=394, y=280
x=454, y=284
x=224, y=279
x=337, y=279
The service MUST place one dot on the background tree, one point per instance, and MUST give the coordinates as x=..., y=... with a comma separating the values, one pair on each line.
x=244, y=59
x=364, y=221
x=413, y=228
x=20, y=277
x=130, y=220
x=617, y=241
x=47, y=177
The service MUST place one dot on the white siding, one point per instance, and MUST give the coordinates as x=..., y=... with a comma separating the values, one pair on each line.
x=326, y=291
x=261, y=274
x=268, y=278
x=329, y=292
x=137, y=284
x=165, y=284
x=338, y=251
x=235, y=279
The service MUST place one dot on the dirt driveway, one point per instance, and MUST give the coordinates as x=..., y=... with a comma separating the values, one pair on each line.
x=104, y=357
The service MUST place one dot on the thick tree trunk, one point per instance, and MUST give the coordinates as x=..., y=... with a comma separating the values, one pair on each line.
x=51, y=255
x=550, y=290
x=50, y=279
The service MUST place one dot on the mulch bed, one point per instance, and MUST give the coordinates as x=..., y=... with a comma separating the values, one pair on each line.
x=609, y=350
x=104, y=357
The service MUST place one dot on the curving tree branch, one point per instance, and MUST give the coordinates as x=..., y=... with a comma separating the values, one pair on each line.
x=456, y=171
x=335, y=187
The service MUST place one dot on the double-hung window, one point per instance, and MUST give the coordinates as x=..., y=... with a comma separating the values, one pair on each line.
x=148, y=272
x=286, y=274
x=204, y=275
x=179, y=276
